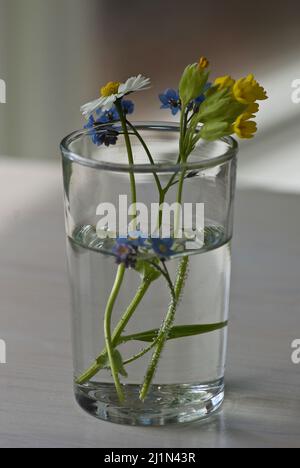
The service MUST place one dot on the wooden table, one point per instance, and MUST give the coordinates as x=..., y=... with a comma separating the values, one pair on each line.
x=37, y=408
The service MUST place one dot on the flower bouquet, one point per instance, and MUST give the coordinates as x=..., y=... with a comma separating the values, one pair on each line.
x=150, y=342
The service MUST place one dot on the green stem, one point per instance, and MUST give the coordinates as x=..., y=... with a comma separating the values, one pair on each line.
x=107, y=330
x=166, y=275
x=140, y=354
x=162, y=192
x=142, y=141
x=130, y=155
x=171, y=182
x=165, y=329
x=168, y=278
x=101, y=360
x=181, y=157
x=179, y=204
x=183, y=127
x=141, y=292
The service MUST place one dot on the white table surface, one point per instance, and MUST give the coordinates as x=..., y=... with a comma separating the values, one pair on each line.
x=37, y=407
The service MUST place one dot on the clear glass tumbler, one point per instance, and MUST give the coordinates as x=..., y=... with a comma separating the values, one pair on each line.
x=188, y=382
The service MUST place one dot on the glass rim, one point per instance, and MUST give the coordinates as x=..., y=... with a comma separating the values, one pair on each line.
x=229, y=154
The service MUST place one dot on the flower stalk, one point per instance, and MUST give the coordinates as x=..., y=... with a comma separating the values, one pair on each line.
x=107, y=331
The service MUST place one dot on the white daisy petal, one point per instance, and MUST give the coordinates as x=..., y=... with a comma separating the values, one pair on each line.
x=135, y=83
x=109, y=101
x=90, y=107
x=104, y=103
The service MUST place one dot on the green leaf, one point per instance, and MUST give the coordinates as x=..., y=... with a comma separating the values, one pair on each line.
x=181, y=331
x=219, y=105
x=118, y=363
x=103, y=360
x=214, y=129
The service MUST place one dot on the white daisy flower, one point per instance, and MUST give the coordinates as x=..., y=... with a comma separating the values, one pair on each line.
x=113, y=91
x=133, y=84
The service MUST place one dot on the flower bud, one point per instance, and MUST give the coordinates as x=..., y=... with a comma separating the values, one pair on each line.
x=193, y=82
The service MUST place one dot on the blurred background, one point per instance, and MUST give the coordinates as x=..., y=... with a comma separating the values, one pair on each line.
x=55, y=54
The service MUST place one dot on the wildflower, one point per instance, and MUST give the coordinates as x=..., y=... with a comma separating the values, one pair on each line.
x=203, y=63
x=125, y=254
x=110, y=88
x=127, y=106
x=163, y=247
x=112, y=115
x=244, y=127
x=103, y=135
x=133, y=84
x=248, y=90
x=193, y=81
x=252, y=109
x=170, y=100
x=91, y=126
x=113, y=91
x=224, y=82
x=108, y=116
x=107, y=136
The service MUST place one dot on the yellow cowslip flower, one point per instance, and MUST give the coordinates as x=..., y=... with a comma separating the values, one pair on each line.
x=252, y=109
x=243, y=127
x=203, y=63
x=224, y=82
x=248, y=90
x=109, y=89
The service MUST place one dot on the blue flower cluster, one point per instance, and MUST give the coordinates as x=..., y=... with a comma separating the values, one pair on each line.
x=125, y=254
x=126, y=249
x=107, y=135
x=112, y=114
x=170, y=99
x=200, y=99
x=103, y=135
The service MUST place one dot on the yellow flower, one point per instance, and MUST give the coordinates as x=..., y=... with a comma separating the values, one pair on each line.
x=248, y=90
x=243, y=127
x=203, y=63
x=110, y=88
x=252, y=109
x=224, y=82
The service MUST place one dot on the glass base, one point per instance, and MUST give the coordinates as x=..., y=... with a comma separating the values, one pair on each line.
x=166, y=404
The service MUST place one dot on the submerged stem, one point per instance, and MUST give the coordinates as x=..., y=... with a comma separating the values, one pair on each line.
x=165, y=329
x=140, y=354
x=107, y=330
x=101, y=360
